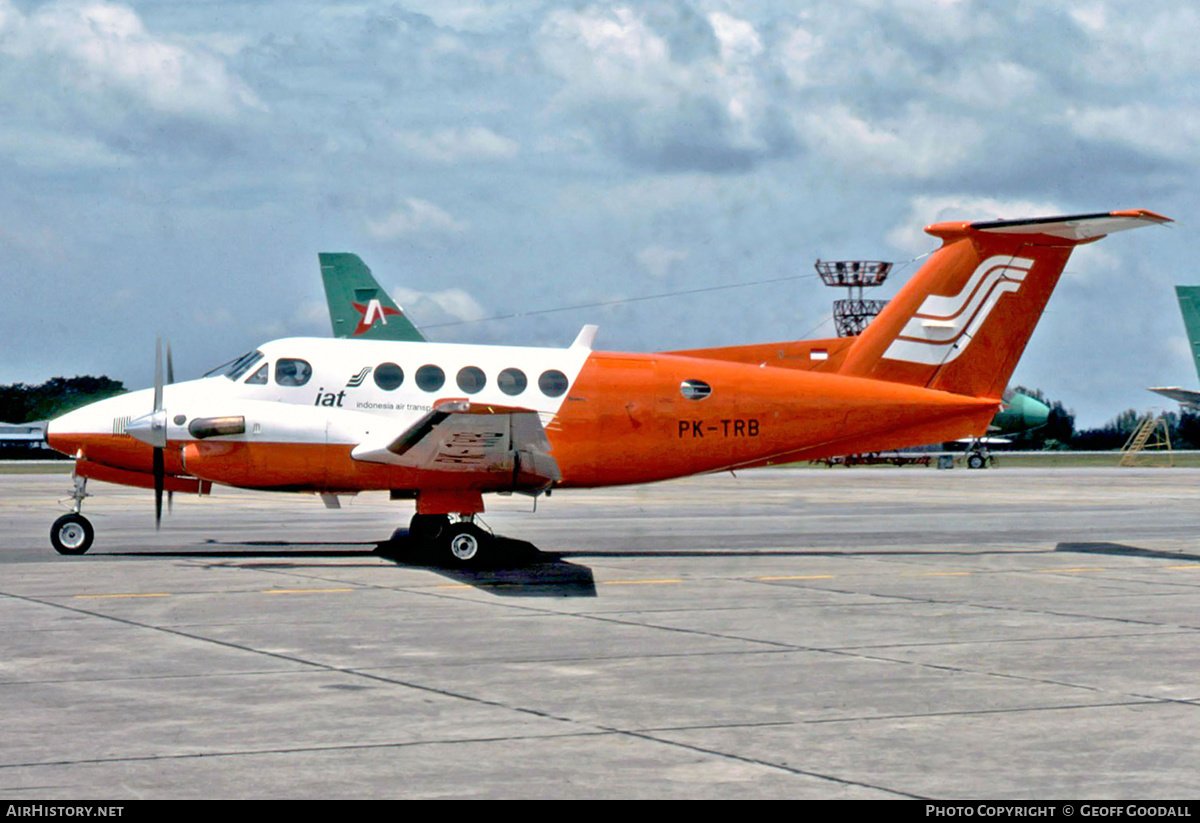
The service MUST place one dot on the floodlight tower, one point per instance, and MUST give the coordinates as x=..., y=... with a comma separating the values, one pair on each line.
x=853, y=314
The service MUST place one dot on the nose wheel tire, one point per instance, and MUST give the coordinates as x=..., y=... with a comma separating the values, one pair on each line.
x=72, y=534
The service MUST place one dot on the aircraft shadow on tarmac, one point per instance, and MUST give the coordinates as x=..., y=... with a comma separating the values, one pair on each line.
x=1123, y=550
x=517, y=568
x=520, y=569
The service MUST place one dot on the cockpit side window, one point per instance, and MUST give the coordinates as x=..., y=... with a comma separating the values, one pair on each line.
x=291, y=371
x=242, y=365
x=259, y=378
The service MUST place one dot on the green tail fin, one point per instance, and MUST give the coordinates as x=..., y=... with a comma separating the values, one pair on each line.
x=1189, y=305
x=358, y=306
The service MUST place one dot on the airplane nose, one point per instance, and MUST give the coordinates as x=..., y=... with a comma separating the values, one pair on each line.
x=59, y=435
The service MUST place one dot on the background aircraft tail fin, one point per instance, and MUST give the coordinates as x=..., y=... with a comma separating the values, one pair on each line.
x=1189, y=305
x=961, y=323
x=359, y=306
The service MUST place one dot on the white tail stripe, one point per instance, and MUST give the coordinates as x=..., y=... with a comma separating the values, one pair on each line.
x=941, y=329
x=923, y=328
x=993, y=268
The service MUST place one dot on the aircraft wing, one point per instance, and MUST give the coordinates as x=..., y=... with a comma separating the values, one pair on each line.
x=458, y=436
x=1185, y=397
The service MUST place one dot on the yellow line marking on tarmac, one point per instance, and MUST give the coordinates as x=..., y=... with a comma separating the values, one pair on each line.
x=304, y=591
x=1066, y=571
x=108, y=596
x=1195, y=567
x=637, y=582
x=799, y=577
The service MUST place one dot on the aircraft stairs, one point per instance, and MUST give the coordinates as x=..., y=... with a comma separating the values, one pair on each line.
x=1149, y=443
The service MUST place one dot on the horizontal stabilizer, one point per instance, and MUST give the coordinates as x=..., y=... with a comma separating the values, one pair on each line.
x=1184, y=397
x=1077, y=228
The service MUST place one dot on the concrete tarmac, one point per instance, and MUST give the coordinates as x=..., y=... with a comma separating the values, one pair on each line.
x=792, y=633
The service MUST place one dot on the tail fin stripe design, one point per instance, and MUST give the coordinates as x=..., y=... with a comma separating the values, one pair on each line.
x=933, y=335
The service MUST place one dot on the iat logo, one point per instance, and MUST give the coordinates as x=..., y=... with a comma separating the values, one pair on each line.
x=328, y=398
x=374, y=310
x=941, y=329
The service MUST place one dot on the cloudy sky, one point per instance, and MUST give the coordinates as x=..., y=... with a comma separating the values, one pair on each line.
x=174, y=168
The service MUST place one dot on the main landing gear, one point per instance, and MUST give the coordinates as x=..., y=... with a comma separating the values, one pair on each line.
x=458, y=539
x=73, y=533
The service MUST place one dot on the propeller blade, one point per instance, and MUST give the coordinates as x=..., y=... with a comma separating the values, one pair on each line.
x=158, y=374
x=160, y=469
x=159, y=480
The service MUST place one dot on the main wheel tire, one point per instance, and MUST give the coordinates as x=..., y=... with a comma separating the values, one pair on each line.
x=427, y=528
x=976, y=461
x=72, y=534
x=466, y=543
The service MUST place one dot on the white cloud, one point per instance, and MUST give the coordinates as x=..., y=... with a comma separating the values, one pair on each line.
x=41, y=150
x=658, y=260
x=434, y=306
x=698, y=100
x=1172, y=132
x=920, y=143
x=739, y=40
x=455, y=145
x=415, y=217
x=99, y=48
x=909, y=234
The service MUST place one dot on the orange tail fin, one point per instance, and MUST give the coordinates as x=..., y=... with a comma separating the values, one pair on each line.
x=961, y=323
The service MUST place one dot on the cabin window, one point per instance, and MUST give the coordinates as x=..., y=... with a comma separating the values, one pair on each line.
x=471, y=379
x=430, y=378
x=290, y=371
x=553, y=383
x=259, y=378
x=388, y=376
x=240, y=366
x=512, y=381
x=695, y=389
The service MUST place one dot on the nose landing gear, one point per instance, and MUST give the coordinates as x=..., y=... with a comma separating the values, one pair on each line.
x=73, y=533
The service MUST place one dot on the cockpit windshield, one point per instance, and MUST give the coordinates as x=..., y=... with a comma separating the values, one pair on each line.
x=240, y=366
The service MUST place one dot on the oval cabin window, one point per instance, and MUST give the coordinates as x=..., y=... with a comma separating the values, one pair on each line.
x=388, y=376
x=553, y=383
x=471, y=379
x=512, y=382
x=430, y=378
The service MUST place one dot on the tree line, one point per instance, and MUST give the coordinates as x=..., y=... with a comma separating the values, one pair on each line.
x=1060, y=432
x=22, y=403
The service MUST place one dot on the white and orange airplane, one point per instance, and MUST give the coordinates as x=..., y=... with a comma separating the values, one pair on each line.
x=443, y=424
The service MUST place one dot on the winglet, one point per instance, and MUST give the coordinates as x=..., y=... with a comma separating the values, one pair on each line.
x=585, y=338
